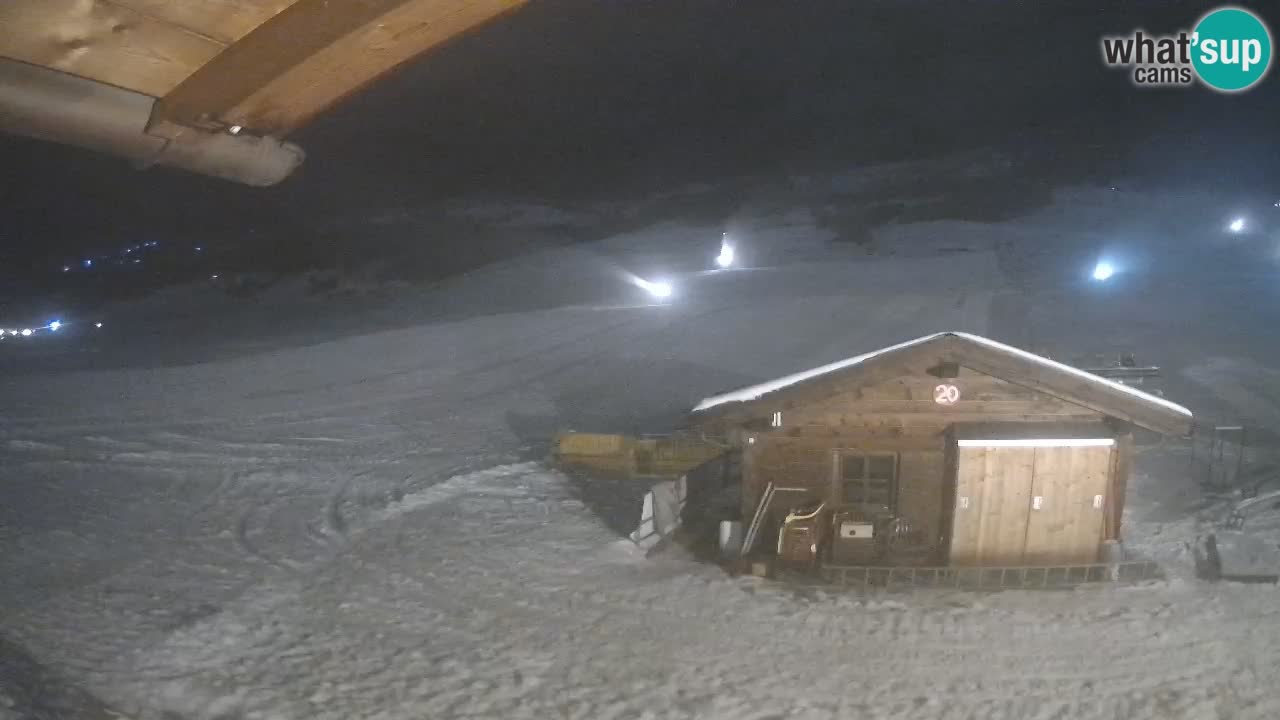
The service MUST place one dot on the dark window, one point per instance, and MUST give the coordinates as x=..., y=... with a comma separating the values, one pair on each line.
x=853, y=467
x=869, y=480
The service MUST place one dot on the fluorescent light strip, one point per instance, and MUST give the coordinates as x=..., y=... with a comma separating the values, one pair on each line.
x=1040, y=442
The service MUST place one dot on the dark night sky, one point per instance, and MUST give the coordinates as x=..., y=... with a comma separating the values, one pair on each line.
x=568, y=97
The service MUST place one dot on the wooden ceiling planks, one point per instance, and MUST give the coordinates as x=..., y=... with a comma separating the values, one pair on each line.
x=266, y=65
x=103, y=41
x=312, y=55
x=224, y=21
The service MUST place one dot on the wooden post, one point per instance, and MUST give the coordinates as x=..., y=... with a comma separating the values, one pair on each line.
x=1120, y=469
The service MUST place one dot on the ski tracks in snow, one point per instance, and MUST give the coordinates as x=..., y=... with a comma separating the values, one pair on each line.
x=497, y=594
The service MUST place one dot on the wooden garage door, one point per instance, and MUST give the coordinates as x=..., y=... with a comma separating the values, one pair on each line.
x=1020, y=505
x=1072, y=485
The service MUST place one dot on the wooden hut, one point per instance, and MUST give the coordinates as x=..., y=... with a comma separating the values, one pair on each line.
x=950, y=449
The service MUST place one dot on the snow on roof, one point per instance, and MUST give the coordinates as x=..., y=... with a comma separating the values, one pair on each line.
x=754, y=392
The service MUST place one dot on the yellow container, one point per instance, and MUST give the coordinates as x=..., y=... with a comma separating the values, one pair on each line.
x=661, y=457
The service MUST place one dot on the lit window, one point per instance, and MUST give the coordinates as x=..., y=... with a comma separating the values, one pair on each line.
x=777, y=419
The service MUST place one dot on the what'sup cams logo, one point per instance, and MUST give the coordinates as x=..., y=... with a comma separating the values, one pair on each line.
x=1229, y=51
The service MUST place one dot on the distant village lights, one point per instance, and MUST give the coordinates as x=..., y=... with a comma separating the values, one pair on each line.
x=53, y=326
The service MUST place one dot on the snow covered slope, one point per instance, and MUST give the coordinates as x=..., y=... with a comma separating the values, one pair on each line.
x=358, y=526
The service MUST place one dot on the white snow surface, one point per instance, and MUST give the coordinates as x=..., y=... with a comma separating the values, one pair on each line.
x=755, y=392
x=360, y=527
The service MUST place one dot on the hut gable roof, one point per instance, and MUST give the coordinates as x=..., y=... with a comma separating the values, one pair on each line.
x=977, y=353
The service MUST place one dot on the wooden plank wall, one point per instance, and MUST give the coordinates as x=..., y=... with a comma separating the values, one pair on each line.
x=809, y=462
x=921, y=487
x=979, y=364
x=907, y=401
x=1119, y=486
x=786, y=462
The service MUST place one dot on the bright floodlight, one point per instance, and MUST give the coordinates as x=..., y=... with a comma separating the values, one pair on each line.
x=725, y=258
x=1236, y=225
x=659, y=289
x=26, y=332
x=97, y=325
x=55, y=325
x=1103, y=270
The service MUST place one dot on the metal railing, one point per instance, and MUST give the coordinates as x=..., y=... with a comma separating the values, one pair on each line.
x=1043, y=576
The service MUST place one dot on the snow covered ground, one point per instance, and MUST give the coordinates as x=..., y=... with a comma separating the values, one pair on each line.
x=300, y=520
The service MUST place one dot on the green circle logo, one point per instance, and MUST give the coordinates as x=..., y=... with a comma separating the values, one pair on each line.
x=1231, y=49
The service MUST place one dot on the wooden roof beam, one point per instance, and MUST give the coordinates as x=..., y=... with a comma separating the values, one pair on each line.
x=308, y=57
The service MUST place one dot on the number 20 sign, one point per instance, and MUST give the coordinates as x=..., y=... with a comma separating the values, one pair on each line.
x=946, y=394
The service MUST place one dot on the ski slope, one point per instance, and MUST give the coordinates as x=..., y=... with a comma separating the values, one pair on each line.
x=359, y=525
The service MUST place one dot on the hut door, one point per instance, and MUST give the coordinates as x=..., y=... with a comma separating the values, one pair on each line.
x=993, y=494
x=1072, y=485
x=1021, y=505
